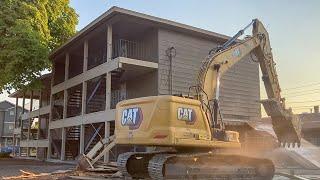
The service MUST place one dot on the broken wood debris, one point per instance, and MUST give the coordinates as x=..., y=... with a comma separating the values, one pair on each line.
x=26, y=175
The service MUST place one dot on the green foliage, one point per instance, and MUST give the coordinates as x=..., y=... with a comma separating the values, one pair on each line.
x=29, y=31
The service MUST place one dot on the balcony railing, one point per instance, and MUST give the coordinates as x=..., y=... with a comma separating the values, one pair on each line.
x=128, y=49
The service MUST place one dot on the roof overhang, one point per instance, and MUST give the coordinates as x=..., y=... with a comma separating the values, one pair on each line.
x=46, y=79
x=159, y=22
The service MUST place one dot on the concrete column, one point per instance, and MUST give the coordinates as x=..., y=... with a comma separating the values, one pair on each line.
x=109, y=42
x=106, y=135
x=85, y=55
x=63, y=144
x=82, y=136
x=108, y=90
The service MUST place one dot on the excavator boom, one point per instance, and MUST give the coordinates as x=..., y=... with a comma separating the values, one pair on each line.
x=285, y=124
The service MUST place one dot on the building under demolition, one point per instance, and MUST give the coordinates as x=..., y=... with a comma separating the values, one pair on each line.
x=122, y=55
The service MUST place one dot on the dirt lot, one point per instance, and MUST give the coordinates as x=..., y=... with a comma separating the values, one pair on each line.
x=12, y=167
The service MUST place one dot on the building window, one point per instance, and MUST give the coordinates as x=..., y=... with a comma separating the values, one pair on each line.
x=10, y=127
x=11, y=113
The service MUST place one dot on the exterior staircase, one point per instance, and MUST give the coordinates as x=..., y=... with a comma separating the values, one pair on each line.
x=72, y=143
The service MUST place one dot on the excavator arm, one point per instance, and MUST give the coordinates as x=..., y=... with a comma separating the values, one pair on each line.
x=287, y=126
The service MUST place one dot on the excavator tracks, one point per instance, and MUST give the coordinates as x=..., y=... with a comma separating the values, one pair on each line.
x=194, y=166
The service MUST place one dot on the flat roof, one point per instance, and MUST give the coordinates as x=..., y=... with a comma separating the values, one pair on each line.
x=159, y=21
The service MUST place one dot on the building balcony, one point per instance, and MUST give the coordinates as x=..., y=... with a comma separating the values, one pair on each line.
x=36, y=113
x=34, y=143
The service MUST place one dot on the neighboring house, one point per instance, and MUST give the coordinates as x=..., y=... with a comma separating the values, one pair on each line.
x=311, y=126
x=122, y=55
x=7, y=115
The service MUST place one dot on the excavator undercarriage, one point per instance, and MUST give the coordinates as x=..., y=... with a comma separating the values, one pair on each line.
x=171, y=165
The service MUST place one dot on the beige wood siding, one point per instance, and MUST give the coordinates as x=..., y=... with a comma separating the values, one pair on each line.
x=141, y=86
x=240, y=85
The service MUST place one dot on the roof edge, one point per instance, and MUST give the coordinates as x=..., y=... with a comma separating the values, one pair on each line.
x=139, y=15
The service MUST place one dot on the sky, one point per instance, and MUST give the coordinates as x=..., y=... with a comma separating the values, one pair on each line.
x=293, y=26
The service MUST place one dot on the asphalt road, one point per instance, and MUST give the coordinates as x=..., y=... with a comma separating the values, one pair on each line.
x=12, y=167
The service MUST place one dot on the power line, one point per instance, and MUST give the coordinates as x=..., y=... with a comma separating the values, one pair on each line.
x=301, y=86
x=301, y=106
x=301, y=91
x=303, y=94
x=294, y=102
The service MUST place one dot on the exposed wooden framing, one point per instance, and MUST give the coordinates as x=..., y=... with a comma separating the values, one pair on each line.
x=109, y=43
x=63, y=144
x=106, y=135
x=101, y=116
x=93, y=137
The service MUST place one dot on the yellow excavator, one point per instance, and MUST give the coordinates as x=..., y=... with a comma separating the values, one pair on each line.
x=189, y=132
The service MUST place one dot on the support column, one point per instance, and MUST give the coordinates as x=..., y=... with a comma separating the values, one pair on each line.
x=65, y=92
x=108, y=91
x=66, y=68
x=49, y=145
x=85, y=55
x=82, y=136
x=65, y=103
x=109, y=43
x=14, y=145
x=63, y=144
x=29, y=119
x=15, y=125
x=84, y=96
x=50, y=117
x=23, y=103
x=40, y=99
x=16, y=113
x=106, y=135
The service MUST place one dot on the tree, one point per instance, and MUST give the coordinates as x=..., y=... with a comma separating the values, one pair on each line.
x=29, y=31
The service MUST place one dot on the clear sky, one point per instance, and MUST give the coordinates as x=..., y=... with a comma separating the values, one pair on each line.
x=293, y=25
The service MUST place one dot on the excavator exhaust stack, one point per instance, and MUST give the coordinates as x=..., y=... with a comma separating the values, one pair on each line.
x=286, y=125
